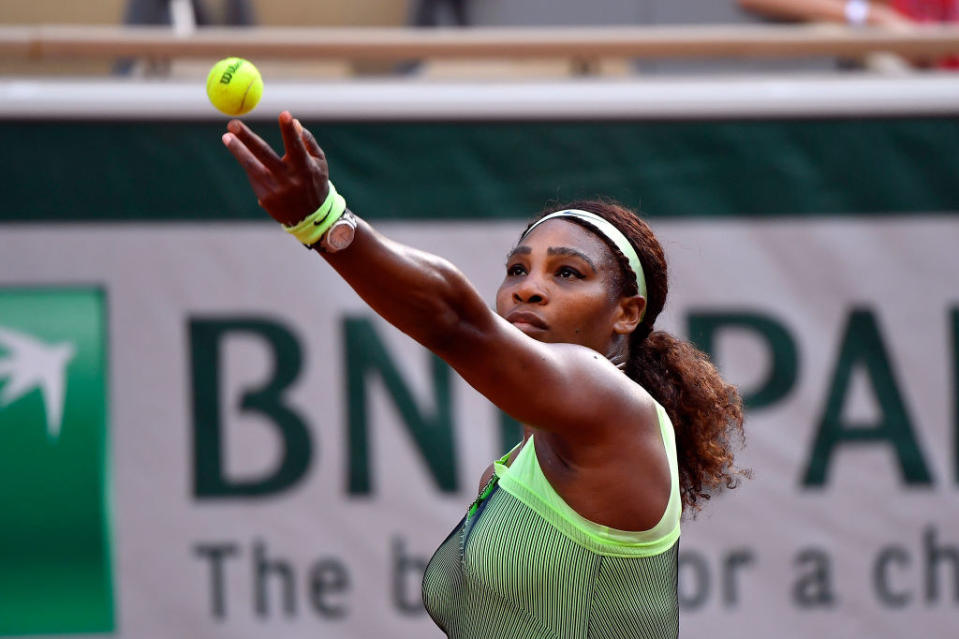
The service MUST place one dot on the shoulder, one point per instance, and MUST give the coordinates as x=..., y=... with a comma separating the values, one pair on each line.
x=604, y=404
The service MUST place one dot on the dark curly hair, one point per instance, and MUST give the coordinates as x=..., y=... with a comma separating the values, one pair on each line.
x=706, y=412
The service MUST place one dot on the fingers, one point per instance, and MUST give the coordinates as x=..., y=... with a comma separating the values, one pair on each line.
x=295, y=150
x=311, y=144
x=259, y=176
x=260, y=149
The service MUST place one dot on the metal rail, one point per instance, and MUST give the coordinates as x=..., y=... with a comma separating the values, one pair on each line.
x=391, y=44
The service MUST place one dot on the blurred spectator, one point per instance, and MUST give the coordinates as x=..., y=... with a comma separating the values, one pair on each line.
x=882, y=13
x=158, y=12
x=198, y=13
x=427, y=13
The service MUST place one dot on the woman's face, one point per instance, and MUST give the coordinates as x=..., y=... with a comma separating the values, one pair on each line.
x=556, y=287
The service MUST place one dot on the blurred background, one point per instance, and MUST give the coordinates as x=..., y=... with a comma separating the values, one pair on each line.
x=203, y=432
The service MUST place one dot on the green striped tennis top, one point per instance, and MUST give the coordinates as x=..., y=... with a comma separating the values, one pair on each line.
x=522, y=564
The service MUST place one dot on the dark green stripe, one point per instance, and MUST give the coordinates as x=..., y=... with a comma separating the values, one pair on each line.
x=179, y=171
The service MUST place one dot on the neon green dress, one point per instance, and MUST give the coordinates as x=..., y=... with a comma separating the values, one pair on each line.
x=522, y=564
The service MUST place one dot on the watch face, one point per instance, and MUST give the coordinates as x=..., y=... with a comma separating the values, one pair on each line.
x=339, y=237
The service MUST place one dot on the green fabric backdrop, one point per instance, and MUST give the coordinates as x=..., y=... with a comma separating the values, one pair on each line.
x=180, y=171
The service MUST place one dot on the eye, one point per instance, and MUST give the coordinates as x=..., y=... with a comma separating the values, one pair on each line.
x=568, y=272
x=515, y=269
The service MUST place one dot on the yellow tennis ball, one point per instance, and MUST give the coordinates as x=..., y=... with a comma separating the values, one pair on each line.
x=234, y=86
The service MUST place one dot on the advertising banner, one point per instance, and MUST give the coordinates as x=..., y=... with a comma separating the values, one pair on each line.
x=204, y=433
x=212, y=435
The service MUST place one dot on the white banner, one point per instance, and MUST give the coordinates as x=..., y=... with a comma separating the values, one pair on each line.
x=262, y=486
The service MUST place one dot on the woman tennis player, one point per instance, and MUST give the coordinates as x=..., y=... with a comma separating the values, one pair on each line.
x=575, y=531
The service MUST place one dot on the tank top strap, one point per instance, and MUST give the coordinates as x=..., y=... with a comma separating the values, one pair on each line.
x=524, y=479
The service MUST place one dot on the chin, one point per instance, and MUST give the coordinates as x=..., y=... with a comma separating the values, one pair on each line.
x=539, y=334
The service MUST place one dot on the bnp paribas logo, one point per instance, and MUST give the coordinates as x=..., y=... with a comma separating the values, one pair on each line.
x=32, y=364
x=55, y=542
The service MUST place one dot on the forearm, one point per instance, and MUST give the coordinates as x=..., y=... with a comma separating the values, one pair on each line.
x=422, y=294
x=810, y=10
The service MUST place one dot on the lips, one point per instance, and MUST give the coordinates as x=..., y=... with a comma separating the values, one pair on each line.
x=525, y=317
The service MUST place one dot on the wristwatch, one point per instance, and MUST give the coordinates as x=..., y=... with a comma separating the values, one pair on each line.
x=340, y=235
x=857, y=12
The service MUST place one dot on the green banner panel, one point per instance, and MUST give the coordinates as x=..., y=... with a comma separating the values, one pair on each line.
x=55, y=566
x=180, y=171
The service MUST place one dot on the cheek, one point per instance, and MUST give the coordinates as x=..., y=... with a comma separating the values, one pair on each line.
x=595, y=314
x=502, y=296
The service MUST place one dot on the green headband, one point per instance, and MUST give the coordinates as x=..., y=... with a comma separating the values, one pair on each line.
x=611, y=233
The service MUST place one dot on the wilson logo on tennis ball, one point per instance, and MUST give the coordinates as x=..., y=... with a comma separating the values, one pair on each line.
x=234, y=86
x=230, y=70
x=55, y=574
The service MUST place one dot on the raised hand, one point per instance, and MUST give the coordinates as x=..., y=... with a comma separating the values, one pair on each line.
x=289, y=187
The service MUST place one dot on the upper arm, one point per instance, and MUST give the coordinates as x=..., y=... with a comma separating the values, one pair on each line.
x=567, y=389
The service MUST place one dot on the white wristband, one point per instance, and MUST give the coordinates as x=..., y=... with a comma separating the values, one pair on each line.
x=857, y=12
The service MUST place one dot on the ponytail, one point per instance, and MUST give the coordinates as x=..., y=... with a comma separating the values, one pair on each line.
x=706, y=412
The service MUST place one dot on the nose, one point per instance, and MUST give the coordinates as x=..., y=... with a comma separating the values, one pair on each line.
x=530, y=291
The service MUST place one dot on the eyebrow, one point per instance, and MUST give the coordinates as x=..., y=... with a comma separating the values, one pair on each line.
x=519, y=250
x=571, y=252
x=554, y=250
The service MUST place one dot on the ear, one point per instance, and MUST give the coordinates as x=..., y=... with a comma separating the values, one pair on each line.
x=629, y=314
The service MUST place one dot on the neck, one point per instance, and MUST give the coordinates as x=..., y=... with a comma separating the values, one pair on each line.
x=618, y=352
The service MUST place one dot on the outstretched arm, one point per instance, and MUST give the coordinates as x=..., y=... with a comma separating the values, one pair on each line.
x=558, y=387
x=878, y=13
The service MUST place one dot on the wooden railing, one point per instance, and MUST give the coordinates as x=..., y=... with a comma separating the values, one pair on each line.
x=41, y=42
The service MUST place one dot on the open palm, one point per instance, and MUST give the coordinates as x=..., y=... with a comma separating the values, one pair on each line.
x=290, y=187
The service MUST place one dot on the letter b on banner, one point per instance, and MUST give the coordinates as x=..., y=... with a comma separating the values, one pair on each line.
x=206, y=343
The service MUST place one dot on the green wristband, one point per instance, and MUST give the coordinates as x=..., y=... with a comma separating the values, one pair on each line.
x=310, y=230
